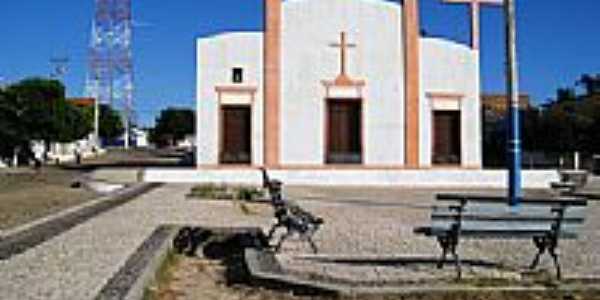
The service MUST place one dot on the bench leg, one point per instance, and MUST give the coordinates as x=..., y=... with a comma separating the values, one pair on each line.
x=457, y=262
x=281, y=240
x=547, y=244
x=541, y=244
x=450, y=244
x=312, y=244
x=552, y=251
x=443, y=241
x=273, y=229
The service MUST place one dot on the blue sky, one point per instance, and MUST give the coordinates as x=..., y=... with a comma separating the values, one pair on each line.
x=558, y=41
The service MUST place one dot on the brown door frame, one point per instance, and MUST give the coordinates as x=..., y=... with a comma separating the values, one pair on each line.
x=221, y=122
x=327, y=132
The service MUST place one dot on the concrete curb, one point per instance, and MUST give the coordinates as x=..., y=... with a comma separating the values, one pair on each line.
x=141, y=267
x=120, y=193
x=24, y=237
x=264, y=268
x=130, y=282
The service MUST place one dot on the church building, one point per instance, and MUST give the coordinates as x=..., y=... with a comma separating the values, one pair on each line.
x=338, y=84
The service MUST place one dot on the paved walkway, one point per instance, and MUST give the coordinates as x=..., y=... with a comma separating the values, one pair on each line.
x=78, y=263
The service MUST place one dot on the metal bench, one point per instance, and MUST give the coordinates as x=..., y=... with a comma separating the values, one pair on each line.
x=564, y=188
x=289, y=216
x=545, y=221
x=570, y=182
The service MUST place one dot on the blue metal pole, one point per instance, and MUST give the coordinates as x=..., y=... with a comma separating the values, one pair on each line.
x=515, y=193
x=514, y=151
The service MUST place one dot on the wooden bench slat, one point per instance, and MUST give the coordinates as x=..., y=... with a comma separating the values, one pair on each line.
x=494, y=234
x=505, y=218
x=536, y=212
x=505, y=226
x=570, y=201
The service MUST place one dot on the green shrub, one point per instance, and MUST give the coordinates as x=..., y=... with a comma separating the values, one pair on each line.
x=223, y=192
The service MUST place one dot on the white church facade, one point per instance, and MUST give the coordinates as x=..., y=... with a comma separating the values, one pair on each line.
x=338, y=84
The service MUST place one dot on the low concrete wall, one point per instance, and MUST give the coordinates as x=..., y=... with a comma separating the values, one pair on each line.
x=117, y=175
x=407, y=178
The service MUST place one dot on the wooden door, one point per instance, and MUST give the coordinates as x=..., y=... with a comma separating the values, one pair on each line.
x=447, y=137
x=236, y=135
x=344, y=133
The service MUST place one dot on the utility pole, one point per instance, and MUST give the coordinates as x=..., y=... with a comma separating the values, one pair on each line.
x=97, y=142
x=512, y=84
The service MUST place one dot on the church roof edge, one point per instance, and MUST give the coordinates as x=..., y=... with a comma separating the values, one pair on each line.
x=390, y=3
x=226, y=34
x=446, y=41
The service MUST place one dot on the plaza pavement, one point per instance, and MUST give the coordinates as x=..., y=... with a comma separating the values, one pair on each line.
x=360, y=222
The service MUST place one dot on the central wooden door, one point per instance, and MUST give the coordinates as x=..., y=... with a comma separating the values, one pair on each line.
x=447, y=137
x=236, y=145
x=344, y=131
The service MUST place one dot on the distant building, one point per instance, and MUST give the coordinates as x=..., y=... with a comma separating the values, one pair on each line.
x=82, y=102
x=68, y=151
x=498, y=103
x=189, y=141
x=140, y=137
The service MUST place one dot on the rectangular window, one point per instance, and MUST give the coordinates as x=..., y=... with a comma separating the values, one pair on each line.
x=238, y=75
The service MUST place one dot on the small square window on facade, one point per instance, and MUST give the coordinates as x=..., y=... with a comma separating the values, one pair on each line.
x=238, y=75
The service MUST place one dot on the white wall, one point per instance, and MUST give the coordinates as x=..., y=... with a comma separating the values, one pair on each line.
x=216, y=58
x=449, y=67
x=436, y=179
x=309, y=27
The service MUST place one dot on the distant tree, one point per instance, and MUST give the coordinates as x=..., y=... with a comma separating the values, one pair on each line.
x=173, y=125
x=570, y=122
x=36, y=109
x=590, y=83
x=111, y=124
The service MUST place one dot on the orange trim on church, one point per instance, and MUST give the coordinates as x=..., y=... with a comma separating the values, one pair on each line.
x=412, y=62
x=445, y=95
x=236, y=89
x=272, y=82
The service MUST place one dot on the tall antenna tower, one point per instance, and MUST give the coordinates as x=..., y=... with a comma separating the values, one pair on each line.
x=110, y=70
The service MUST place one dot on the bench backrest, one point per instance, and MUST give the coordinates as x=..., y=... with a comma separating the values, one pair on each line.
x=487, y=215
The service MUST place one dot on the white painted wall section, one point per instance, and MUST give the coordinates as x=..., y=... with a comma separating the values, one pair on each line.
x=217, y=56
x=309, y=29
x=438, y=179
x=449, y=67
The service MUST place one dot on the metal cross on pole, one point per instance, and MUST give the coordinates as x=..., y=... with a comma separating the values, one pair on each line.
x=475, y=15
x=514, y=137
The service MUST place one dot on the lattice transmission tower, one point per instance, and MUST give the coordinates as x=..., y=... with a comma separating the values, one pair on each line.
x=110, y=69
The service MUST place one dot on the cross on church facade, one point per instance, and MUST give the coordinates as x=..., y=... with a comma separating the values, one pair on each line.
x=343, y=78
x=475, y=9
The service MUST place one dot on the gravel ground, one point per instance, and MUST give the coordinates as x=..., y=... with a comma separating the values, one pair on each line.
x=78, y=263
x=382, y=228
x=27, y=195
